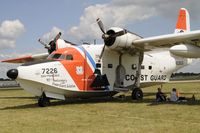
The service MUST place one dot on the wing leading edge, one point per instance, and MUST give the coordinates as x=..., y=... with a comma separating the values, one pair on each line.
x=25, y=59
x=192, y=37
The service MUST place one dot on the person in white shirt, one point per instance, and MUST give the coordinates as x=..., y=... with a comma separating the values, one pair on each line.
x=174, y=96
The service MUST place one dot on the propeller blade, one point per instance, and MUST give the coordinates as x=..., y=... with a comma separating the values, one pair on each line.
x=120, y=33
x=113, y=35
x=101, y=26
x=57, y=37
x=43, y=43
x=102, y=52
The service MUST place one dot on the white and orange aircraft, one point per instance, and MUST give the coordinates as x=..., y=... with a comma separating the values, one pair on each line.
x=125, y=61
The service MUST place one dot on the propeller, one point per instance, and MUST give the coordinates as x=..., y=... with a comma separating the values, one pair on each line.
x=109, y=36
x=52, y=44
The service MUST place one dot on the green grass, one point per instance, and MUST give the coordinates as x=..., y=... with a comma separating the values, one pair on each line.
x=20, y=113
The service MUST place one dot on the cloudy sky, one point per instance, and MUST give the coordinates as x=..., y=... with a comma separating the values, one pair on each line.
x=23, y=22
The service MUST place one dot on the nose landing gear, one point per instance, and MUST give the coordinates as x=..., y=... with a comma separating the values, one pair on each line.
x=43, y=101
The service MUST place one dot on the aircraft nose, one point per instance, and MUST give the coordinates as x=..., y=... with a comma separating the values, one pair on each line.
x=12, y=73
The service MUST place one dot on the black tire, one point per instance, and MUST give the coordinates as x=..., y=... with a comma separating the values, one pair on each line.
x=43, y=101
x=137, y=94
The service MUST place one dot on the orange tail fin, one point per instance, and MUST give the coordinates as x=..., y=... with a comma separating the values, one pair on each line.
x=183, y=22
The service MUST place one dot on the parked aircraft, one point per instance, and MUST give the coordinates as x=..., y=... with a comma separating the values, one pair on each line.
x=125, y=61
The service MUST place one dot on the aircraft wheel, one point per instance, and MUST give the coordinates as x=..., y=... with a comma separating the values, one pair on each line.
x=43, y=101
x=137, y=94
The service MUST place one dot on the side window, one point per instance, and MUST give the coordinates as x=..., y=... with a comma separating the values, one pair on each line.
x=134, y=66
x=69, y=57
x=150, y=67
x=142, y=67
x=179, y=62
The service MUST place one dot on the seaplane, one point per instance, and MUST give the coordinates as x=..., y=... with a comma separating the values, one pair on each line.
x=125, y=62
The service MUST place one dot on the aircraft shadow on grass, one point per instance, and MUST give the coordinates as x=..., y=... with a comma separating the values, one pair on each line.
x=149, y=99
x=17, y=98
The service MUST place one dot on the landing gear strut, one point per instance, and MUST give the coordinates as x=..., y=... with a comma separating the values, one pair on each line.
x=43, y=101
x=137, y=94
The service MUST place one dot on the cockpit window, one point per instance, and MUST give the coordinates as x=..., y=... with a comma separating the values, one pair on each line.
x=61, y=56
x=54, y=56
x=69, y=57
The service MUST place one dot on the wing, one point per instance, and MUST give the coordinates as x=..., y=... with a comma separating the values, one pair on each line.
x=169, y=40
x=30, y=58
x=182, y=35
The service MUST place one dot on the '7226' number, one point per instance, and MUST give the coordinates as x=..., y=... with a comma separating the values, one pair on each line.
x=49, y=70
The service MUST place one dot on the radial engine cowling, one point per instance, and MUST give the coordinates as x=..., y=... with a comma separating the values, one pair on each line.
x=186, y=51
x=121, y=42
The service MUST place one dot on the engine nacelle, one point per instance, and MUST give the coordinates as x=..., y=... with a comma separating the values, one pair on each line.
x=60, y=43
x=186, y=51
x=122, y=42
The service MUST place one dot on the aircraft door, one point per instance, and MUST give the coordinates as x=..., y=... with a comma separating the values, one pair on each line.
x=120, y=76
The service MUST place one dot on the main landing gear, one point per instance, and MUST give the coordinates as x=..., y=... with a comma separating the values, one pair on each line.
x=137, y=94
x=43, y=101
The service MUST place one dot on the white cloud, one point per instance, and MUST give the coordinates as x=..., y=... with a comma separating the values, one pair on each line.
x=121, y=13
x=47, y=37
x=11, y=29
x=7, y=43
x=9, y=32
x=111, y=15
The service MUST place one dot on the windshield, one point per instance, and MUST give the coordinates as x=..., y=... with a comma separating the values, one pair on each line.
x=61, y=56
x=54, y=56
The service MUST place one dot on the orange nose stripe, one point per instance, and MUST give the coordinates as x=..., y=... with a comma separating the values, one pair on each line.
x=83, y=80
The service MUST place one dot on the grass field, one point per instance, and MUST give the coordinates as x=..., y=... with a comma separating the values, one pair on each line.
x=20, y=113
